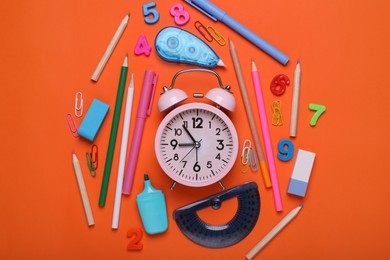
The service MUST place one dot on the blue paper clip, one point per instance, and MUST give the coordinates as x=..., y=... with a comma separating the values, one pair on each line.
x=252, y=158
x=248, y=157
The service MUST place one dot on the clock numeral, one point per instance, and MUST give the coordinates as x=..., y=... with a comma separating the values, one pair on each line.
x=185, y=124
x=197, y=122
x=184, y=163
x=178, y=131
x=196, y=167
x=209, y=165
x=218, y=130
x=175, y=157
x=174, y=143
x=218, y=157
x=220, y=145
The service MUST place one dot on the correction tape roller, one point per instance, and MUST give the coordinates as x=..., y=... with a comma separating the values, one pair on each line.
x=178, y=45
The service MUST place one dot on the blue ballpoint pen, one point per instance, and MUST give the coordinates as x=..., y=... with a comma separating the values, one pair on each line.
x=217, y=14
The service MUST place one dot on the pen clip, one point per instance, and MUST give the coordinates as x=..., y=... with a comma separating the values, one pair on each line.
x=200, y=9
x=154, y=83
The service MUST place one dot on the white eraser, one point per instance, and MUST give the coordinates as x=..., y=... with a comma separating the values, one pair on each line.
x=301, y=173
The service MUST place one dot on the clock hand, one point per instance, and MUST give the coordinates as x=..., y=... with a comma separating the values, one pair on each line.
x=186, y=144
x=188, y=132
x=187, y=153
x=196, y=152
x=196, y=145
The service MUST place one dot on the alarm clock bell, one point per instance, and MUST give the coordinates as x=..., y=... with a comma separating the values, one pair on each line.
x=221, y=96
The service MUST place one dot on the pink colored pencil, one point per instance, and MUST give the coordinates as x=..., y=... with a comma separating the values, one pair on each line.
x=266, y=137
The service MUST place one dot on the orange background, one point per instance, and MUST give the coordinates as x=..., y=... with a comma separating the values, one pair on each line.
x=49, y=50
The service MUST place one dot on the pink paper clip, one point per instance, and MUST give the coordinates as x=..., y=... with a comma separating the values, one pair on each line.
x=203, y=31
x=72, y=125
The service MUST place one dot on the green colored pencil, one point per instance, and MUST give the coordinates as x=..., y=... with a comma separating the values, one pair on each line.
x=114, y=130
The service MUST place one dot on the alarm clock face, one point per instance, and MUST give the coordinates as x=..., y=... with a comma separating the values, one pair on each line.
x=196, y=144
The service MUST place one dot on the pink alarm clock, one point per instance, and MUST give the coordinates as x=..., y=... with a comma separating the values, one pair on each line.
x=196, y=143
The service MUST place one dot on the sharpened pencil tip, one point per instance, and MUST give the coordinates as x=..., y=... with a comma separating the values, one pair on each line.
x=301, y=205
x=254, y=67
x=231, y=44
x=125, y=63
x=131, y=85
x=299, y=61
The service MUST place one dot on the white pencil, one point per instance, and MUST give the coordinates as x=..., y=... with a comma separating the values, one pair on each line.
x=110, y=48
x=122, y=157
x=83, y=190
x=295, y=100
x=290, y=216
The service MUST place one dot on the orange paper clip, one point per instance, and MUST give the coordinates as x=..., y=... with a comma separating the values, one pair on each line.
x=94, y=155
x=216, y=35
x=277, y=113
x=203, y=31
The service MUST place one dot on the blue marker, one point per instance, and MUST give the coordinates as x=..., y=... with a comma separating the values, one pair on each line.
x=152, y=208
x=217, y=14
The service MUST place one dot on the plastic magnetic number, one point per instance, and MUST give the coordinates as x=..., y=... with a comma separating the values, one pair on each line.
x=286, y=150
x=135, y=234
x=320, y=109
x=181, y=16
x=148, y=10
x=279, y=83
x=142, y=46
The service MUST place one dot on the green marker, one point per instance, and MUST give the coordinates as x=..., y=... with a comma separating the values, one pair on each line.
x=114, y=130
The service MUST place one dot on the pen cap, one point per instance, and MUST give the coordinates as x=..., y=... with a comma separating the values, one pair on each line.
x=207, y=8
x=152, y=208
x=147, y=93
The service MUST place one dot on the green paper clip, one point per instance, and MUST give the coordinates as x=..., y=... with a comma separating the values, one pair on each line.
x=90, y=164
